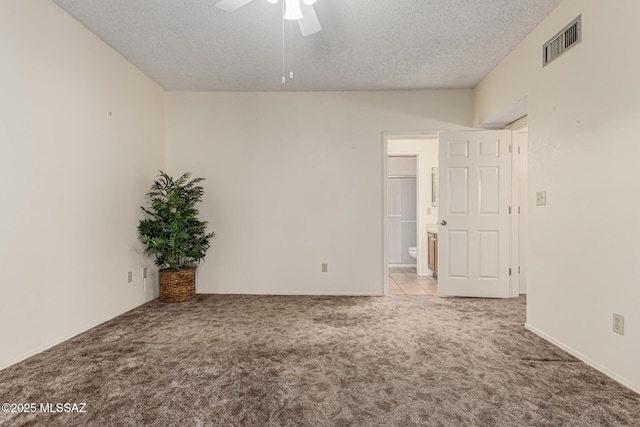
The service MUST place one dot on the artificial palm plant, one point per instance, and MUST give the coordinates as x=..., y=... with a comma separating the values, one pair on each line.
x=173, y=233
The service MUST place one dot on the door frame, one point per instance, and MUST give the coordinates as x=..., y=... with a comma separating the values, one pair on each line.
x=518, y=252
x=519, y=199
x=386, y=136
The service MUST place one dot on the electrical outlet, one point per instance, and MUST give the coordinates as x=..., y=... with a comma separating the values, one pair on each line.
x=618, y=323
x=325, y=268
x=541, y=198
x=130, y=277
x=144, y=272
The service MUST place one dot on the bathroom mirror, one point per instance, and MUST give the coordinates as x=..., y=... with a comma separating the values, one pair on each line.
x=434, y=187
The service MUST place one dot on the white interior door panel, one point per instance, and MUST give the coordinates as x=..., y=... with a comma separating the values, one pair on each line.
x=474, y=224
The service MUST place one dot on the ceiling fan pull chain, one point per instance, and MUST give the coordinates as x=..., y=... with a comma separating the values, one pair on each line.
x=291, y=48
x=284, y=80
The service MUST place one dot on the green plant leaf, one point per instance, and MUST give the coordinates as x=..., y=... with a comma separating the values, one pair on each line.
x=171, y=230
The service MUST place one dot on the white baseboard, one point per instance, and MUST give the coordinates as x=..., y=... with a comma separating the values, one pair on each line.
x=300, y=293
x=65, y=337
x=583, y=358
x=403, y=265
x=47, y=346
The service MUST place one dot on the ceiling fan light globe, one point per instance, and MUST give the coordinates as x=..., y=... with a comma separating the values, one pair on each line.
x=292, y=10
x=273, y=1
x=309, y=2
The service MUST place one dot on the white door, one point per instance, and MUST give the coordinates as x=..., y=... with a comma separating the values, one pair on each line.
x=474, y=220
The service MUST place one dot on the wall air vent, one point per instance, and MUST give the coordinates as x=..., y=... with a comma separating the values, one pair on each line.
x=561, y=42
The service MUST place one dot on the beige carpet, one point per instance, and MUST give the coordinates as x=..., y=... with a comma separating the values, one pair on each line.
x=316, y=361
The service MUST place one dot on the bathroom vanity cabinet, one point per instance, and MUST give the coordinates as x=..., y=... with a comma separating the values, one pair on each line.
x=433, y=253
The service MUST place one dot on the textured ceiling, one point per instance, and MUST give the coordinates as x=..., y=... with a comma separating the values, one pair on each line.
x=363, y=45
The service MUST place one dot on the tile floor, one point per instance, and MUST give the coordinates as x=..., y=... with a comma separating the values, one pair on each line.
x=405, y=281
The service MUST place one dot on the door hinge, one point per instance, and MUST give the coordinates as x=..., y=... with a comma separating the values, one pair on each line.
x=518, y=269
x=518, y=150
x=509, y=209
x=518, y=209
x=509, y=148
x=509, y=271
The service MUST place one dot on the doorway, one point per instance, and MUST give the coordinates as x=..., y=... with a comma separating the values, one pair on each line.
x=428, y=216
x=407, y=219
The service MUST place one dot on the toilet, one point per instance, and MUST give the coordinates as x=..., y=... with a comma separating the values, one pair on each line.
x=412, y=251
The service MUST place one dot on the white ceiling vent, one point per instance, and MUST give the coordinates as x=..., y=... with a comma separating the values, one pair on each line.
x=561, y=42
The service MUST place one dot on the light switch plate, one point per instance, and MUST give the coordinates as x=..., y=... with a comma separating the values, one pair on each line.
x=541, y=198
x=618, y=323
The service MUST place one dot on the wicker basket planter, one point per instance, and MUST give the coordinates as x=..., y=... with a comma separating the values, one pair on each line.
x=177, y=285
x=172, y=233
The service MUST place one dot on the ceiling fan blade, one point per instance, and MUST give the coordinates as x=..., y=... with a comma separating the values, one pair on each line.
x=309, y=24
x=231, y=5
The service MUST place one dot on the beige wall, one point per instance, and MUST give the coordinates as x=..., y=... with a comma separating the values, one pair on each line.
x=401, y=165
x=295, y=180
x=583, y=150
x=81, y=137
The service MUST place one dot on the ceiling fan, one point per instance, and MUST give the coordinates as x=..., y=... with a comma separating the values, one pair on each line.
x=295, y=10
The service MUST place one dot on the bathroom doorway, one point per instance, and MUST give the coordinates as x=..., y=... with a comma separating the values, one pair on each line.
x=410, y=213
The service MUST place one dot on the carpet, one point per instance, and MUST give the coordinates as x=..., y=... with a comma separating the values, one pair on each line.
x=315, y=361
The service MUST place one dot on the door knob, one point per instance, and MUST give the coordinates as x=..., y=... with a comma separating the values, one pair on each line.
x=443, y=222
